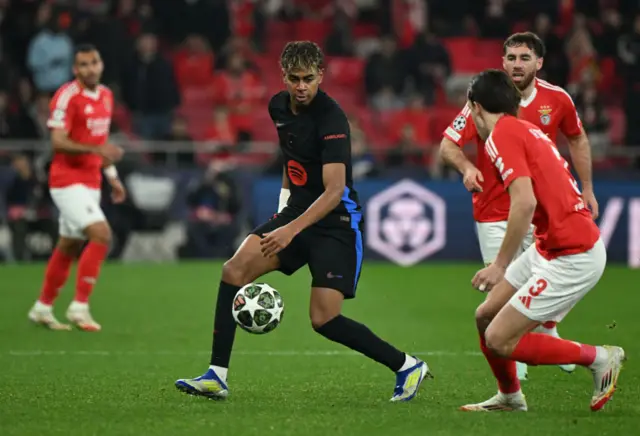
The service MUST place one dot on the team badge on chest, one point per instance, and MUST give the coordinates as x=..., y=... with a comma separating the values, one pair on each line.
x=545, y=115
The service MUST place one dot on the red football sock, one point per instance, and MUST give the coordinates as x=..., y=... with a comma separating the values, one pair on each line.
x=549, y=325
x=504, y=370
x=89, y=269
x=55, y=276
x=541, y=349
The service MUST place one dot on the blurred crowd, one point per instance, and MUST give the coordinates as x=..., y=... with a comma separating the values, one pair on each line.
x=202, y=70
x=194, y=76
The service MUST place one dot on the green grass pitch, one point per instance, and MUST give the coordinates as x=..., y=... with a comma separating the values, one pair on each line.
x=157, y=324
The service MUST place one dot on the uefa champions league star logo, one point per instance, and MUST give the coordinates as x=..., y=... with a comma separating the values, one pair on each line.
x=406, y=223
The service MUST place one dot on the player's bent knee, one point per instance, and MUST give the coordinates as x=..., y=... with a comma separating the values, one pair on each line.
x=497, y=342
x=326, y=304
x=320, y=318
x=70, y=247
x=484, y=315
x=99, y=233
x=239, y=271
x=235, y=272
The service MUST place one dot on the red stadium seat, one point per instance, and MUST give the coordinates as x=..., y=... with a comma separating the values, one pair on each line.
x=348, y=72
x=263, y=128
x=617, y=124
x=193, y=70
x=311, y=30
x=471, y=55
x=440, y=120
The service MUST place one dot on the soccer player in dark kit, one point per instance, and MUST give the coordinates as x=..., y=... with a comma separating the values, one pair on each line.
x=318, y=224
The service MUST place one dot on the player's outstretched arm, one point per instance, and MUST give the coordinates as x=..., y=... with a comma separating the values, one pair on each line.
x=523, y=205
x=334, y=177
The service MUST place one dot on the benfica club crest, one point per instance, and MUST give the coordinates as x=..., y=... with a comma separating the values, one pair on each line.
x=545, y=115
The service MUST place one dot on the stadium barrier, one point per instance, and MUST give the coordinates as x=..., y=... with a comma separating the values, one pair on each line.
x=406, y=221
x=411, y=221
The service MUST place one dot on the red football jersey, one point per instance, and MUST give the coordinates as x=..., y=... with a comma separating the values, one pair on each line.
x=549, y=107
x=86, y=116
x=563, y=222
x=492, y=204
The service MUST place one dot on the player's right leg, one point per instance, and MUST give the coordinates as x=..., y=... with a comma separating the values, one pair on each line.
x=246, y=265
x=55, y=278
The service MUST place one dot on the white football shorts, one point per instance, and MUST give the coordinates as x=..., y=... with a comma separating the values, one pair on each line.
x=548, y=289
x=490, y=236
x=79, y=207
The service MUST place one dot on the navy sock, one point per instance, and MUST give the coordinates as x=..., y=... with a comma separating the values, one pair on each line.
x=224, y=326
x=359, y=338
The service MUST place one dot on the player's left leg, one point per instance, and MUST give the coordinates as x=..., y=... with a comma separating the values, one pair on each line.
x=335, y=264
x=89, y=266
x=509, y=396
x=87, y=216
x=490, y=237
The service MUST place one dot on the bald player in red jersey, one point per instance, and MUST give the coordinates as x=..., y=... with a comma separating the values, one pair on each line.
x=551, y=109
x=80, y=118
x=553, y=275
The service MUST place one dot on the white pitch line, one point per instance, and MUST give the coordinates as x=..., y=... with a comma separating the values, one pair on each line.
x=292, y=353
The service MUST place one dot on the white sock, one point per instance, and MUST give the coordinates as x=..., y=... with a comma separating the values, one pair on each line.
x=408, y=362
x=78, y=306
x=602, y=356
x=220, y=372
x=41, y=307
x=512, y=396
x=551, y=332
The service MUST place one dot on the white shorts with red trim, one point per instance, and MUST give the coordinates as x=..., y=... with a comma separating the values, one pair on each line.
x=490, y=236
x=79, y=207
x=547, y=290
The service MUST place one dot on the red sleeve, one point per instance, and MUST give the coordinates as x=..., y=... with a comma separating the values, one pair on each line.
x=570, y=125
x=462, y=129
x=506, y=149
x=61, y=110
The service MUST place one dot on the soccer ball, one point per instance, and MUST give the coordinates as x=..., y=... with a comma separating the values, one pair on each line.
x=258, y=308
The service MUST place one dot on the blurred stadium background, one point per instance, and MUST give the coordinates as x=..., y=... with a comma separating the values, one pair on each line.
x=192, y=78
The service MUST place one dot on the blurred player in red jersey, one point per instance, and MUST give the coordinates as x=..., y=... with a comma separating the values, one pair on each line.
x=551, y=109
x=546, y=281
x=79, y=121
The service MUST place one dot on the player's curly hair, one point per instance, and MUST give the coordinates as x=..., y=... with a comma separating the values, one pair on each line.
x=301, y=55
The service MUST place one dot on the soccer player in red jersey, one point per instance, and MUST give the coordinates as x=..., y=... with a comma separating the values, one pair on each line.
x=546, y=281
x=79, y=121
x=551, y=109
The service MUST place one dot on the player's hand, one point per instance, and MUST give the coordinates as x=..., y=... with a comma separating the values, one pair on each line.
x=590, y=199
x=472, y=179
x=487, y=278
x=276, y=241
x=118, y=191
x=111, y=152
